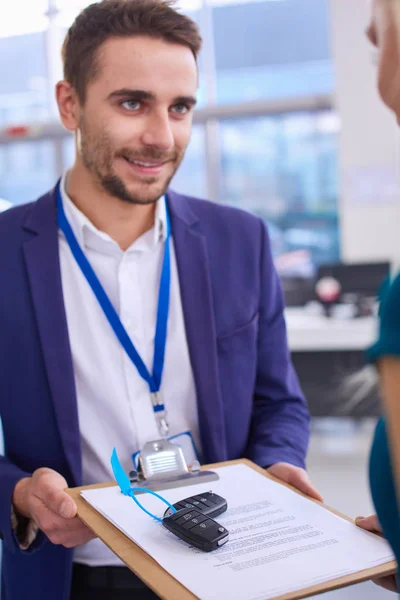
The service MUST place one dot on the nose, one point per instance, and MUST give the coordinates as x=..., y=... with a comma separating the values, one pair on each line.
x=157, y=131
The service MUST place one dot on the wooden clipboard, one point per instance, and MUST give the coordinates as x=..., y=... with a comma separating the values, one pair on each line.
x=164, y=584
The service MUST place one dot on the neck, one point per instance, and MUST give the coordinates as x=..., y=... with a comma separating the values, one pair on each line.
x=122, y=221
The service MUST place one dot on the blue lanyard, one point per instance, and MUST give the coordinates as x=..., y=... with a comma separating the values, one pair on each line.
x=125, y=486
x=154, y=379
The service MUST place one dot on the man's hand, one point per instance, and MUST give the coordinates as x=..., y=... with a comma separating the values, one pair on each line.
x=296, y=477
x=42, y=498
x=372, y=524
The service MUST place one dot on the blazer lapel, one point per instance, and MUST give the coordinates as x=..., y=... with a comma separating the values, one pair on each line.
x=195, y=285
x=43, y=268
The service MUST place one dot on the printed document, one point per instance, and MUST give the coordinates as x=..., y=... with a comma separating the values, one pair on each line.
x=279, y=541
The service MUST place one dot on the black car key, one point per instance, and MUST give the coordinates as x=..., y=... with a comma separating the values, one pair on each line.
x=208, y=504
x=197, y=529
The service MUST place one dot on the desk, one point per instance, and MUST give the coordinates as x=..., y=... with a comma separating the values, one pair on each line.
x=311, y=333
x=325, y=352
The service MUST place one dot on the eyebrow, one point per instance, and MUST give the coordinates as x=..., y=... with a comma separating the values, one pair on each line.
x=140, y=95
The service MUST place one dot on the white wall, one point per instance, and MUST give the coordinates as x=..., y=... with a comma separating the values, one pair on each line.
x=369, y=182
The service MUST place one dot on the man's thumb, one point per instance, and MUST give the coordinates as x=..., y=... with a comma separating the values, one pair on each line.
x=299, y=479
x=52, y=486
x=67, y=507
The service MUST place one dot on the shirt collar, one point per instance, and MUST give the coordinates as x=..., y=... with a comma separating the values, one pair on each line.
x=86, y=233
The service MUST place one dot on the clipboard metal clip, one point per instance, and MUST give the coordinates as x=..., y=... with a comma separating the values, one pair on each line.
x=162, y=465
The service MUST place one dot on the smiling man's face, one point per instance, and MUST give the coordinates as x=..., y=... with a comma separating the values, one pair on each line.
x=135, y=123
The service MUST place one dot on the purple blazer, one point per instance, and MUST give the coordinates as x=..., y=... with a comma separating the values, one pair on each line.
x=249, y=400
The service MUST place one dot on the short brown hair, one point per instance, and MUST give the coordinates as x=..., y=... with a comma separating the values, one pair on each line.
x=121, y=18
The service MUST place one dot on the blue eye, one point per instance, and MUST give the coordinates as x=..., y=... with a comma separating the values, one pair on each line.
x=181, y=109
x=131, y=104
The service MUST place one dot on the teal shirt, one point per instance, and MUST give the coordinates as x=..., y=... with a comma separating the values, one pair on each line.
x=388, y=343
x=380, y=471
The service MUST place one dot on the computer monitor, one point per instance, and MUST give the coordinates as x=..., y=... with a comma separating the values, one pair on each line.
x=363, y=279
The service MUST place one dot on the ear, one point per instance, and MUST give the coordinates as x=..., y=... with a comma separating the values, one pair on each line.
x=68, y=105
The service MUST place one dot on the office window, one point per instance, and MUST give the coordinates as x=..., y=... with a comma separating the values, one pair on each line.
x=23, y=89
x=283, y=169
x=23, y=85
x=271, y=50
x=27, y=170
x=191, y=178
x=22, y=17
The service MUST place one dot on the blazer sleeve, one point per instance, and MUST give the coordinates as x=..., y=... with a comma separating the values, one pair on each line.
x=9, y=477
x=280, y=419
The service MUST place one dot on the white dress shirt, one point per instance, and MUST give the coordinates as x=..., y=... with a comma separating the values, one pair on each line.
x=114, y=405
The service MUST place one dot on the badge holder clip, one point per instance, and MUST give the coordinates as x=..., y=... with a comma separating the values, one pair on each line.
x=162, y=466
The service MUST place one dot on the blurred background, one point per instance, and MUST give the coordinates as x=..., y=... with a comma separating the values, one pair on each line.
x=289, y=126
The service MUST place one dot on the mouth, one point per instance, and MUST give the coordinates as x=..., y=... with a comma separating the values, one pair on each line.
x=145, y=167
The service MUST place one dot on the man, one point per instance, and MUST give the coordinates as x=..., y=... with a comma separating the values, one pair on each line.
x=103, y=278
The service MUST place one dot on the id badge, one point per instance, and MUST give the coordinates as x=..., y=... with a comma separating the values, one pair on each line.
x=185, y=441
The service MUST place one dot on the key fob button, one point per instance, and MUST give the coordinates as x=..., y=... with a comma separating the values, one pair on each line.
x=185, y=518
x=203, y=527
x=179, y=514
x=207, y=531
x=207, y=503
x=199, y=498
x=197, y=520
x=210, y=497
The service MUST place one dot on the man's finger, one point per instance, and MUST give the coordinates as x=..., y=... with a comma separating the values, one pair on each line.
x=300, y=481
x=296, y=477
